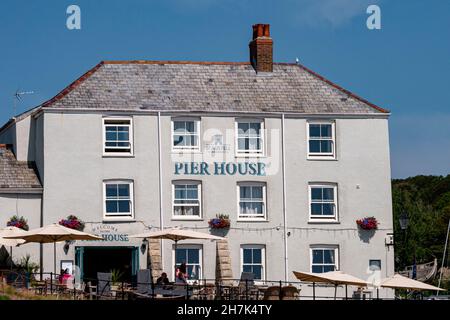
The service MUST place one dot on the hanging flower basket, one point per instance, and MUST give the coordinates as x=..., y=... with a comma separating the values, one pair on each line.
x=221, y=221
x=18, y=222
x=368, y=223
x=72, y=222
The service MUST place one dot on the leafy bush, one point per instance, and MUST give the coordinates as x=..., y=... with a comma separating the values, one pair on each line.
x=116, y=276
x=26, y=265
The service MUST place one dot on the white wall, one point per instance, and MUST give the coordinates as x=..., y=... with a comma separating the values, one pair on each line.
x=28, y=206
x=75, y=168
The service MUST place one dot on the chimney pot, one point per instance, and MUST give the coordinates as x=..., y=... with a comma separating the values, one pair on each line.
x=267, y=30
x=260, y=30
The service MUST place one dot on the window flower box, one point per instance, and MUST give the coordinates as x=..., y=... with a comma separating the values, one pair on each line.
x=368, y=223
x=72, y=222
x=221, y=221
x=18, y=222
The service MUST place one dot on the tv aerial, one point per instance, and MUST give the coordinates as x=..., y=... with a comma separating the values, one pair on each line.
x=18, y=97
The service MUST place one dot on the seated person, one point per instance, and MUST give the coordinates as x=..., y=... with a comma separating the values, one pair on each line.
x=181, y=278
x=162, y=280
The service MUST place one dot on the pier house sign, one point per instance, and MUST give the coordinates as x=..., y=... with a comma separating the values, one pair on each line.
x=220, y=168
x=109, y=233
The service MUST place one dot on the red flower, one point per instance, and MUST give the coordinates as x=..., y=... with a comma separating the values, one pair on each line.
x=18, y=222
x=220, y=222
x=368, y=223
x=72, y=222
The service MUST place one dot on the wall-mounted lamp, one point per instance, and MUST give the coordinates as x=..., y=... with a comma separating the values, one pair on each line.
x=144, y=245
x=66, y=246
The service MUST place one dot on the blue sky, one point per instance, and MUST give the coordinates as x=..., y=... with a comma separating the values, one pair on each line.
x=403, y=67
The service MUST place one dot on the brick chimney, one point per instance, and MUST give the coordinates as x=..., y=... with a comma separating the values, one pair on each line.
x=261, y=48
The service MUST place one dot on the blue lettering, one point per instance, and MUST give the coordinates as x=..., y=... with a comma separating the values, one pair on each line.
x=252, y=169
x=178, y=166
x=204, y=169
x=233, y=168
x=219, y=167
x=261, y=169
x=194, y=168
x=243, y=168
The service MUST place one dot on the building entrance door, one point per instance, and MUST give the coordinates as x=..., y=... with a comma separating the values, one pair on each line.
x=91, y=260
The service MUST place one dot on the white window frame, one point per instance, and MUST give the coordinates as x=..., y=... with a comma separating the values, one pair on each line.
x=130, y=136
x=242, y=217
x=324, y=247
x=371, y=265
x=321, y=155
x=200, y=257
x=119, y=216
x=316, y=218
x=263, y=259
x=249, y=153
x=199, y=192
x=197, y=126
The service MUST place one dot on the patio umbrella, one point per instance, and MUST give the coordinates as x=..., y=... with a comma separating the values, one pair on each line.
x=400, y=282
x=335, y=278
x=51, y=234
x=10, y=231
x=176, y=234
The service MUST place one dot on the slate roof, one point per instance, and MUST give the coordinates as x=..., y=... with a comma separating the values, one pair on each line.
x=16, y=174
x=206, y=87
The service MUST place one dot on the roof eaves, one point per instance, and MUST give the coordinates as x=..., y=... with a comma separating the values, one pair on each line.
x=58, y=97
x=36, y=190
x=72, y=86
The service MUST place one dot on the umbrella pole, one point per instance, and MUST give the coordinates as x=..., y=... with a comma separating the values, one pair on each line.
x=54, y=257
x=10, y=256
x=346, y=296
x=41, y=261
x=314, y=291
x=175, y=259
x=335, y=291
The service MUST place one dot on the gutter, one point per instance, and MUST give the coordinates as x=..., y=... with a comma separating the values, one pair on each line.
x=161, y=209
x=22, y=190
x=283, y=168
x=290, y=114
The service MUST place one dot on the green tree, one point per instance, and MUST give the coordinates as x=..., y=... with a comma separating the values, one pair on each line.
x=426, y=201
